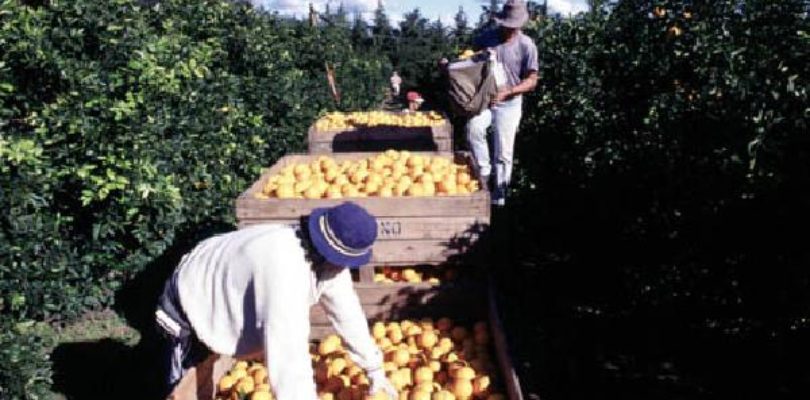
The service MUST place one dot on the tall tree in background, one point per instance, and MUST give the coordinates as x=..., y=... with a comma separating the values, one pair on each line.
x=438, y=36
x=412, y=46
x=384, y=39
x=413, y=25
x=595, y=5
x=461, y=32
x=382, y=25
x=341, y=16
x=360, y=31
x=488, y=13
x=537, y=11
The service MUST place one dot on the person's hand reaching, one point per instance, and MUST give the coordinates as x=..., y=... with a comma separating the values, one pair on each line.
x=380, y=383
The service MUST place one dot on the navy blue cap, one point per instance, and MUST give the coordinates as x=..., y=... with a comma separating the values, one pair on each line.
x=343, y=234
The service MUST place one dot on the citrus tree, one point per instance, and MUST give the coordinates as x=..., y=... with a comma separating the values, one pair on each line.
x=127, y=128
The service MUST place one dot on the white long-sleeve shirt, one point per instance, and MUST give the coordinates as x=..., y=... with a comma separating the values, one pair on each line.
x=252, y=289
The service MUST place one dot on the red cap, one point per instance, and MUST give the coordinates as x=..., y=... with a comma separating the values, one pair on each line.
x=413, y=96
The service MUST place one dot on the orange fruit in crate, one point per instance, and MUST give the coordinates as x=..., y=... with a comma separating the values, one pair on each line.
x=302, y=186
x=331, y=174
x=415, y=160
x=263, y=395
x=400, y=356
x=285, y=191
x=313, y=192
x=461, y=388
x=445, y=343
x=341, y=180
x=423, y=374
x=401, y=188
x=481, y=384
x=378, y=330
x=372, y=188
x=429, y=189
x=334, y=192
x=226, y=383
x=419, y=394
x=448, y=184
x=260, y=376
x=413, y=330
x=359, y=176
x=238, y=373
x=244, y=385
x=350, y=190
x=396, y=336
x=408, y=273
x=302, y=171
x=378, y=163
x=392, y=154
x=416, y=190
x=443, y=395
x=386, y=191
x=463, y=178
x=427, y=339
x=329, y=345
x=389, y=366
x=465, y=373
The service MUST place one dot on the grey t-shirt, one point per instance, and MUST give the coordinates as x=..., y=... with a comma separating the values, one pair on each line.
x=519, y=56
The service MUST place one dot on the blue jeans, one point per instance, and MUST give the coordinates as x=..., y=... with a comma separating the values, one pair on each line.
x=183, y=349
x=505, y=117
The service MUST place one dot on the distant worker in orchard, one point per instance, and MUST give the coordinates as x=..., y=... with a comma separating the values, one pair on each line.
x=415, y=101
x=516, y=73
x=396, y=82
x=250, y=291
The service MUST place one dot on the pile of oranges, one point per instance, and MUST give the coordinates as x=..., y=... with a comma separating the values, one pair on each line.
x=430, y=275
x=424, y=360
x=245, y=380
x=341, y=121
x=389, y=174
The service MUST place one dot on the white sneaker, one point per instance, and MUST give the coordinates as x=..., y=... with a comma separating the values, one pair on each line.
x=499, y=202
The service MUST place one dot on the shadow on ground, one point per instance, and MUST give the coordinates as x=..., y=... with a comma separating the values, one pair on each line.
x=111, y=369
x=588, y=336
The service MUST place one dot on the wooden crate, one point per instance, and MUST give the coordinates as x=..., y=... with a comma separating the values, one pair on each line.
x=381, y=138
x=463, y=299
x=423, y=230
x=480, y=304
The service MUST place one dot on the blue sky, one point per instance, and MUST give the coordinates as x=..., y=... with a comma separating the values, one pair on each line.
x=444, y=9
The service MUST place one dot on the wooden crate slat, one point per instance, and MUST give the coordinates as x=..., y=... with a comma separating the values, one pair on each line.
x=199, y=382
x=508, y=372
x=403, y=228
x=400, y=308
x=407, y=252
x=380, y=293
x=475, y=204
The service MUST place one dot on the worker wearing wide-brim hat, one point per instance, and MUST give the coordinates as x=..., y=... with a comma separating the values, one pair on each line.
x=250, y=291
x=516, y=73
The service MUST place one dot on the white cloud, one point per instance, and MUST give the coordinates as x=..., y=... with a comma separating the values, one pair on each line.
x=566, y=7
